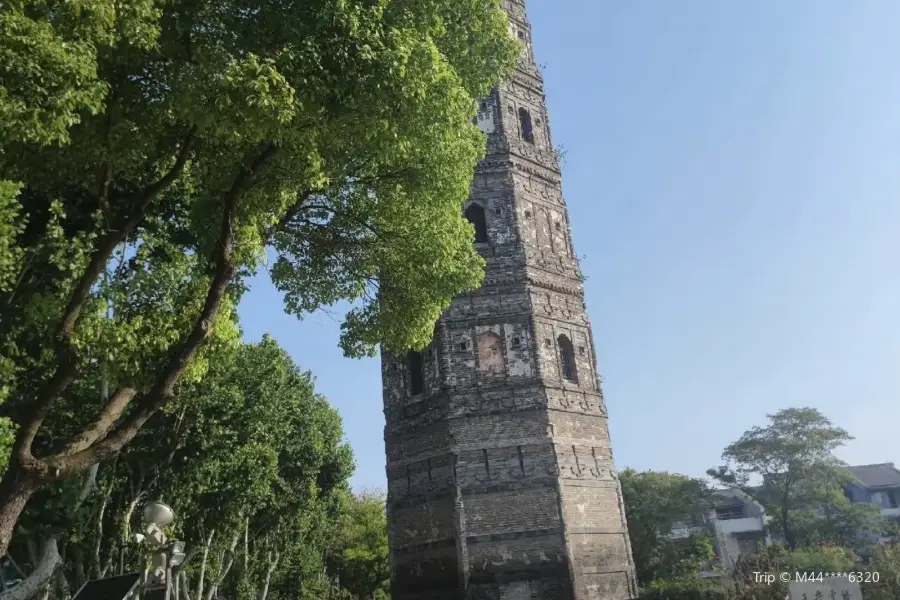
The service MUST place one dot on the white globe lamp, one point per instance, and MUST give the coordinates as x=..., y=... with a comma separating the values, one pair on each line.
x=159, y=514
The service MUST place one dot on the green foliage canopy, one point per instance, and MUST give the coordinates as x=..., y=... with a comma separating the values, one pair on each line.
x=654, y=503
x=358, y=556
x=801, y=479
x=253, y=462
x=151, y=153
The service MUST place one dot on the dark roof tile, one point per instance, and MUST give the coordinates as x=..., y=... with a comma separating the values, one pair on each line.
x=877, y=476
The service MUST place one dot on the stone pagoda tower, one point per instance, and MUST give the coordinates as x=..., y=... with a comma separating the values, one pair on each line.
x=501, y=483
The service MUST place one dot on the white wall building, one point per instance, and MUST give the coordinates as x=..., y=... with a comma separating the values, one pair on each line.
x=739, y=527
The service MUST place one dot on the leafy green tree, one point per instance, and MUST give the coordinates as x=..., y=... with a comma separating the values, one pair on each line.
x=262, y=461
x=823, y=558
x=836, y=520
x=153, y=150
x=884, y=560
x=654, y=503
x=253, y=463
x=358, y=559
x=793, y=458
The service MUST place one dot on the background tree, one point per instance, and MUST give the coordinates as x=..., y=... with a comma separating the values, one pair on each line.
x=884, y=560
x=150, y=156
x=654, y=503
x=787, y=466
x=833, y=519
x=252, y=461
x=358, y=557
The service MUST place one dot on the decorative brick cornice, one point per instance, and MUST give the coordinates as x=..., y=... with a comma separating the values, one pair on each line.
x=535, y=279
x=542, y=158
x=494, y=165
x=537, y=170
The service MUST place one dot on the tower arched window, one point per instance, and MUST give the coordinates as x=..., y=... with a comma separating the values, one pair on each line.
x=416, y=372
x=475, y=216
x=527, y=128
x=567, y=358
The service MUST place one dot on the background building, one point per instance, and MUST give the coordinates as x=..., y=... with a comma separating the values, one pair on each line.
x=739, y=524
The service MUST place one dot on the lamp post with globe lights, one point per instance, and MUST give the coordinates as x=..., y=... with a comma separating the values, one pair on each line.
x=155, y=581
x=165, y=554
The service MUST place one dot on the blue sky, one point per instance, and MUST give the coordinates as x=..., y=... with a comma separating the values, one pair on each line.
x=732, y=176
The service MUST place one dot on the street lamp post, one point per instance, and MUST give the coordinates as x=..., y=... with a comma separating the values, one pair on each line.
x=165, y=554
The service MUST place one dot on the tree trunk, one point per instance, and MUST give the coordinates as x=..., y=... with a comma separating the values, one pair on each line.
x=225, y=568
x=16, y=488
x=202, y=576
x=40, y=578
x=786, y=530
x=184, y=587
x=62, y=584
x=273, y=564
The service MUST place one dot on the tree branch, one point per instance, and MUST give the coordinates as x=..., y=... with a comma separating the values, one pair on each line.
x=60, y=381
x=183, y=588
x=247, y=543
x=337, y=213
x=101, y=425
x=90, y=484
x=203, y=565
x=114, y=237
x=225, y=569
x=61, y=466
x=98, y=544
x=273, y=558
x=40, y=577
x=293, y=211
x=68, y=367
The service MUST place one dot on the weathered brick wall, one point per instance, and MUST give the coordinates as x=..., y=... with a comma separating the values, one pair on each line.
x=501, y=484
